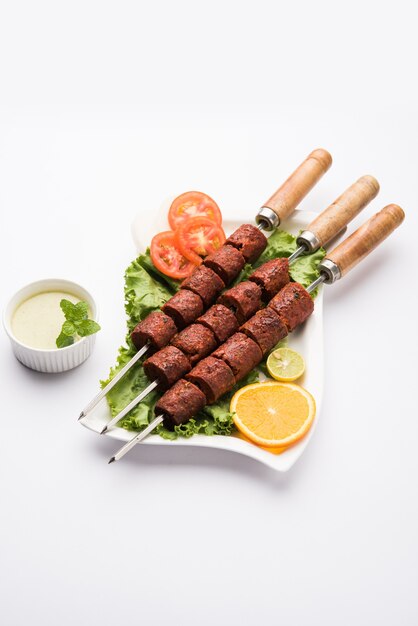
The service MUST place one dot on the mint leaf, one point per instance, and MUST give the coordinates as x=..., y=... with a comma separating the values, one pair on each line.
x=68, y=329
x=87, y=327
x=64, y=340
x=76, y=323
x=74, y=312
x=80, y=311
x=67, y=308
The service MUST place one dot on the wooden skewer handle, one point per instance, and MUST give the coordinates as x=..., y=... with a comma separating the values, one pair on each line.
x=284, y=201
x=344, y=209
x=366, y=238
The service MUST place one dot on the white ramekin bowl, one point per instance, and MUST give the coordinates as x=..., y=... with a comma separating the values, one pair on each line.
x=58, y=359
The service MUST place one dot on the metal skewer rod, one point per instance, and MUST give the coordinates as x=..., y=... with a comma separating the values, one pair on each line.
x=120, y=453
x=113, y=382
x=301, y=250
x=130, y=406
x=321, y=279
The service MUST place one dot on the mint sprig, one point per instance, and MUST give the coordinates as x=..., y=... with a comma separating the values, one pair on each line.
x=76, y=323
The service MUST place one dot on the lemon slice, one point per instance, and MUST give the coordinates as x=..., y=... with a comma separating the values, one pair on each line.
x=274, y=415
x=285, y=364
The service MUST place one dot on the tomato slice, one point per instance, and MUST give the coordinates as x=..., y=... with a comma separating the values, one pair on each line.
x=197, y=237
x=193, y=204
x=167, y=257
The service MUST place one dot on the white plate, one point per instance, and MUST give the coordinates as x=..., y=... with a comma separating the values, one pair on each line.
x=308, y=341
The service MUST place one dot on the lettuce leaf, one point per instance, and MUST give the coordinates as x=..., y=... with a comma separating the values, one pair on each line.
x=279, y=244
x=146, y=290
x=304, y=269
x=144, y=293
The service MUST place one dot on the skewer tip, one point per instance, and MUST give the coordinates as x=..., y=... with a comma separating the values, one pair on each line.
x=104, y=430
x=111, y=460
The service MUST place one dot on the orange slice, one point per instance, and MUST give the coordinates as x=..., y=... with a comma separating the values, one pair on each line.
x=273, y=414
x=271, y=449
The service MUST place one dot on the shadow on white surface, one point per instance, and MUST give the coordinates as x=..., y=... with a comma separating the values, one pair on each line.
x=146, y=458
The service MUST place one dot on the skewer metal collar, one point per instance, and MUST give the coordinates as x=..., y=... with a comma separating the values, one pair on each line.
x=309, y=240
x=267, y=219
x=330, y=269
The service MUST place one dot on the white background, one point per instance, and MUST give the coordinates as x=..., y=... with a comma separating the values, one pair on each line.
x=109, y=107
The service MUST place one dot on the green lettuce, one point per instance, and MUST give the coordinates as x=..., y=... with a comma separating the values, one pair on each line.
x=304, y=269
x=279, y=244
x=146, y=290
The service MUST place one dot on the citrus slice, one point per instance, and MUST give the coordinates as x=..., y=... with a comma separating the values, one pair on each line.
x=285, y=364
x=273, y=414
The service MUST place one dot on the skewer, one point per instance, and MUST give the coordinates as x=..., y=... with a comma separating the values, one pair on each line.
x=131, y=405
x=152, y=426
x=316, y=283
x=113, y=382
x=338, y=263
x=324, y=228
x=331, y=222
x=284, y=201
x=281, y=204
